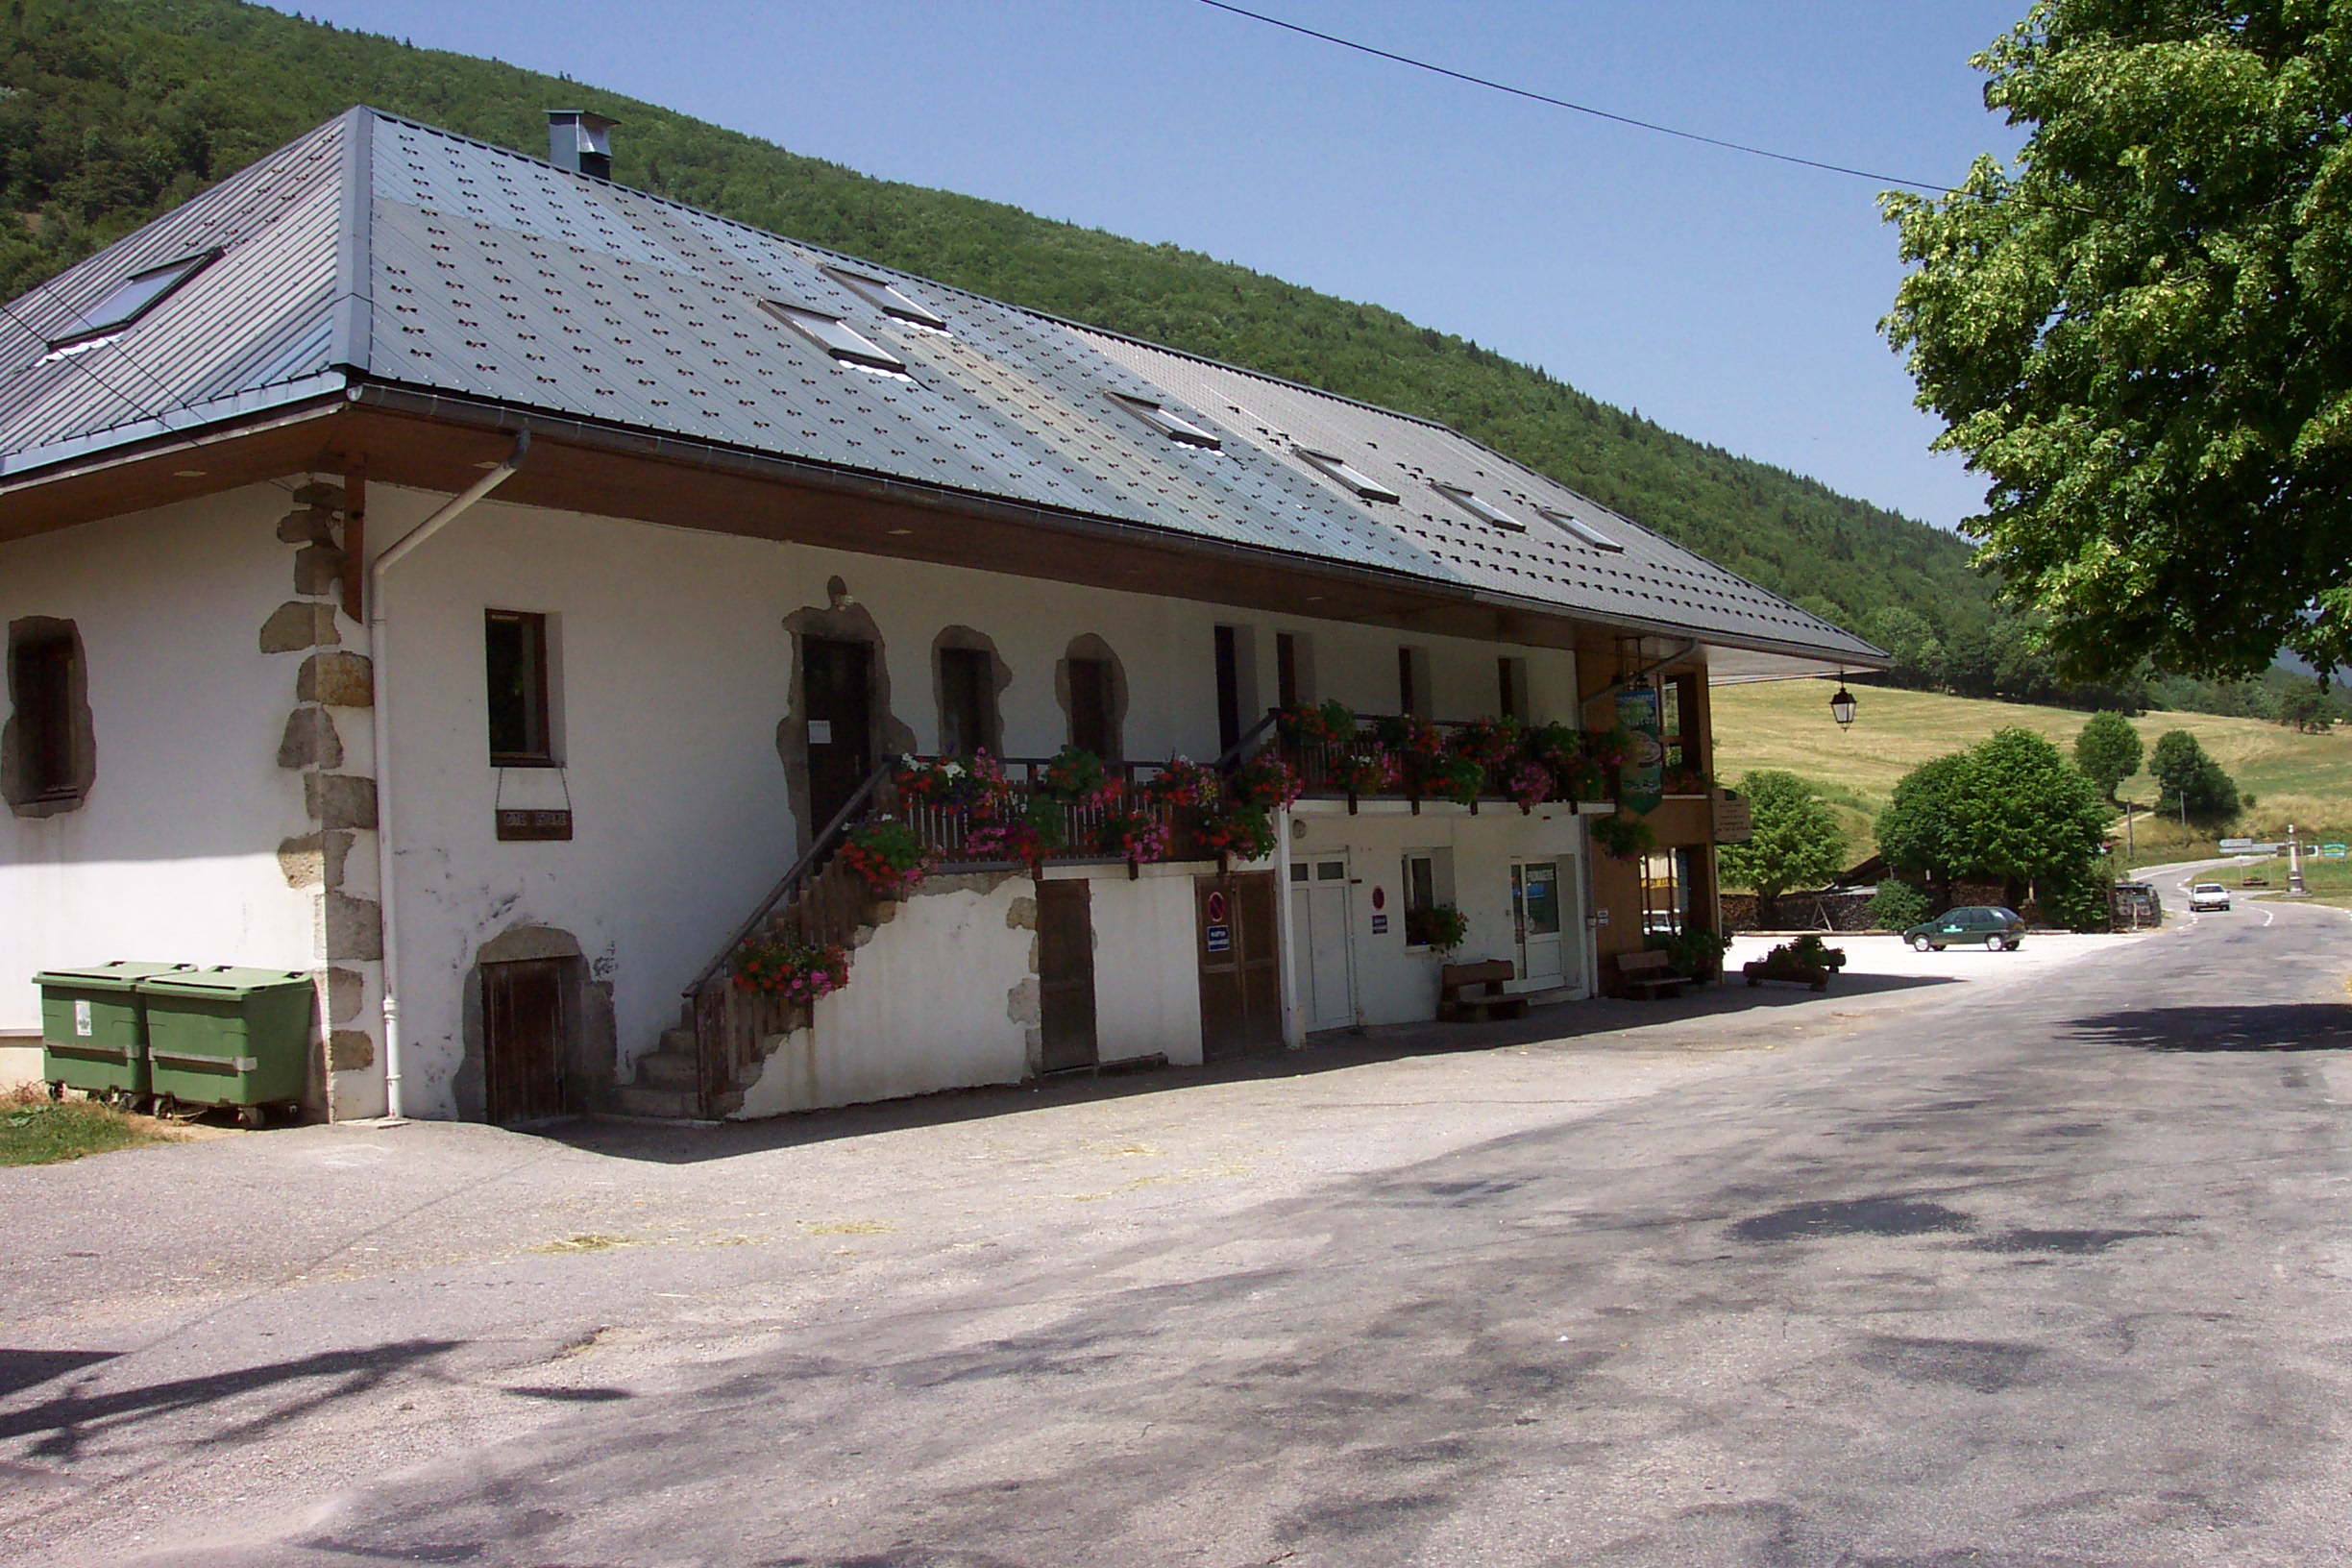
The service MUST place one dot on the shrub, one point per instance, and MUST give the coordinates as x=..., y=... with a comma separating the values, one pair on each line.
x=1897, y=906
x=1623, y=838
x=1439, y=927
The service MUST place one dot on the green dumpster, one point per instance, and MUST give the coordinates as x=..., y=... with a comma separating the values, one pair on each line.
x=95, y=1028
x=228, y=1035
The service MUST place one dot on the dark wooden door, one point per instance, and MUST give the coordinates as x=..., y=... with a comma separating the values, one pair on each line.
x=835, y=682
x=1090, y=707
x=523, y=1033
x=1239, y=943
x=1066, y=973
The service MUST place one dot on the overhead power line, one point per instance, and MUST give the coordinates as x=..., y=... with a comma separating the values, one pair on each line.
x=1929, y=186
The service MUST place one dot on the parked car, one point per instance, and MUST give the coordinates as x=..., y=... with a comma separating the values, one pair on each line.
x=1998, y=929
x=2208, y=895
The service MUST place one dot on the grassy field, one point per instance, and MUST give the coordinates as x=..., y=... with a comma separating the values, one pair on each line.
x=2306, y=779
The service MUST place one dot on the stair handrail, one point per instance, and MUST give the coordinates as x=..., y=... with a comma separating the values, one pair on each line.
x=1231, y=756
x=824, y=841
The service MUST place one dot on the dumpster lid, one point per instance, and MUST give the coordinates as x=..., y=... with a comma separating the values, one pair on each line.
x=119, y=975
x=224, y=982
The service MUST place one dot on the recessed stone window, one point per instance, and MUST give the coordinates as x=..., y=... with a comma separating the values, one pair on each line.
x=48, y=750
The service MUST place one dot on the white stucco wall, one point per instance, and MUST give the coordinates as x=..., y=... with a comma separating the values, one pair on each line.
x=173, y=854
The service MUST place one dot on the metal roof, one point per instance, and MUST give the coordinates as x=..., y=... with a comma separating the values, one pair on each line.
x=381, y=249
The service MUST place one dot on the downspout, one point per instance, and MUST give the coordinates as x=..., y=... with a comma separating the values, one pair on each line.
x=380, y=654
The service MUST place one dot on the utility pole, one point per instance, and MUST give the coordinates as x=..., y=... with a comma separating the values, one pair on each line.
x=2131, y=852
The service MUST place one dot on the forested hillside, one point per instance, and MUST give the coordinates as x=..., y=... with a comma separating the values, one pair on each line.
x=111, y=111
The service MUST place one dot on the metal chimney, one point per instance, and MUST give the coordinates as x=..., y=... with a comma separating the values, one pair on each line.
x=580, y=141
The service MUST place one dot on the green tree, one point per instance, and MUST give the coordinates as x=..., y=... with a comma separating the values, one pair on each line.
x=1904, y=633
x=2190, y=781
x=2307, y=706
x=2026, y=816
x=2108, y=752
x=1796, y=842
x=1920, y=830
x=2141, y=335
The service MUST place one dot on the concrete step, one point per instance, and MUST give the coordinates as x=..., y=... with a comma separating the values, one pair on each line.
x=679, y=1041
x=636, y=1100
x=667, y=1067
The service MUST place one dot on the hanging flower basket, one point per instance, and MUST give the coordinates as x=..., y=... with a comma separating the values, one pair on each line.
x=1370, y=768
x=1609, y=747
x=1623, y=838
x=1026, y=835
x=1239, y=830
x=1530, y=783
x=1183, y=783
x=1335, y=721
x=1441, y=928
x=1456, y=778
x=1490, y=742
x=1555, y=746
x=1072, y=776
x=1138, y=838
x=1582, y=779
x=791, y=971
x=888, y=855
x=1686, y=781
x=1411, y=737
x=1266, y=781
x=951, y=783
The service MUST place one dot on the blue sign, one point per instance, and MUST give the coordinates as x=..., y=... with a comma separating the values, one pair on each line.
x=1220, y=939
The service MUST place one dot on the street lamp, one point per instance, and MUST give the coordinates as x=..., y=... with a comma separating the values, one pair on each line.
x=1842, y=705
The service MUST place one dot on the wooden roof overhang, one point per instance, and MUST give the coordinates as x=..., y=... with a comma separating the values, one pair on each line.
x=432, y=442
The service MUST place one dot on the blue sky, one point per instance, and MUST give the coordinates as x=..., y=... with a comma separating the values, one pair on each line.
x=1732, y=299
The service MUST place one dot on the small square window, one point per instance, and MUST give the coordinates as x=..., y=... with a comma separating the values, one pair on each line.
x=1347, y=473
x=1578, y=529
x=515, y=661
x=1479, y=507
x=133, y=298
x=836, y=336
x=1167, y=424
x=886, y=297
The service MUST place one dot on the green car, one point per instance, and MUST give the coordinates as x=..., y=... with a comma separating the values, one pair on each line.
x=1998, y=929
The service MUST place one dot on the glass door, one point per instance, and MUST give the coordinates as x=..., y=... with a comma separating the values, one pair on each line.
x=1535, y=920
x=1319, y=936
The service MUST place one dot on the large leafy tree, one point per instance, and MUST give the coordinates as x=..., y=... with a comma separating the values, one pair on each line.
x=2187, y=777
x=2108, y=752
x=1796, y=842
x=2142, y=334
x=1919, y=831
x=2026, y=817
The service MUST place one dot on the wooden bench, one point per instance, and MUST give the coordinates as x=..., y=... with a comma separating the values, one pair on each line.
x=1466, y=993
x=1648, y=974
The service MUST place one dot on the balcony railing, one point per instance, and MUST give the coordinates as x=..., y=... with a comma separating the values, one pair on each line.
x=949, y=830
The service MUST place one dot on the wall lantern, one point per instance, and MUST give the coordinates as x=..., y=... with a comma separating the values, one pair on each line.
x=1842, y=705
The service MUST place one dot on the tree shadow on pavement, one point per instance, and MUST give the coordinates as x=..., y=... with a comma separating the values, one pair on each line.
x=1545, y=1024
x=2283, y=1026
x=65, y=1422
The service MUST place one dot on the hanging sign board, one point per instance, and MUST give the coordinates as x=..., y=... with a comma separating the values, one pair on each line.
x=1735, y=822
x=1641, y=783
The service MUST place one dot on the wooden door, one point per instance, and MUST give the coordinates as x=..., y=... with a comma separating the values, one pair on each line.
x=1066, y=974
x=1090, y=707
x=835, y=682
x=1239, y=945
x=523, y=1035
x=1319, y=937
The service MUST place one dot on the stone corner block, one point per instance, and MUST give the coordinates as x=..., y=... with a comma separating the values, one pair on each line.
x=318, y=569
x=355, y=927
x=310, y=739
x=349, y=1050
x=296, y=625
x=337, y=679
x=340, y=800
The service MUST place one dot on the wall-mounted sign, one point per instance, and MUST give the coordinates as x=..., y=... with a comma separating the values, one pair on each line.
x=533, y=826
x=1379, y=898
x=1219, y=937
x=1380, y=925
x=1599, y=917
x=1216, y=909
x=1735, y=822
x=1641, y=783
x=820, y=732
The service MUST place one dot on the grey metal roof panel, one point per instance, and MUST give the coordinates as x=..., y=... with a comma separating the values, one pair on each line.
x=208, y=341
x=493, y=275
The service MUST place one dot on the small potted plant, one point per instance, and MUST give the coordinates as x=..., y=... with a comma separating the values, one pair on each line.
x=790, y=970
x=889, y=856
x=1136, y=837
x=1266, y=781
x=1438, y=927
x=1623, y=838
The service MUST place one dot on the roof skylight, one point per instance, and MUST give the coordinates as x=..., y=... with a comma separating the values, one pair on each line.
x=1167, y=424
x=1347, y=473
x=133, y=298
x=886, y=297
x=836, y=336
x=1577, y=527
x=1479, y=507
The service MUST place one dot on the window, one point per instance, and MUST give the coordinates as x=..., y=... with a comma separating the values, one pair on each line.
x=1413, y=681
x=1286, y=686
x=1228, y=688
x=1665, y=892
x=886, y=297
x=968, y=681
x=515, y=656
x=1577, y=527
x=1678, y=722
x=1426, y=881
x=1090, y=708
x=132, y=298
x=836, y=337
x=1479, y=507
x=1348, y=474
x=1167, y=424
x=1511, y=688
x=40, y=690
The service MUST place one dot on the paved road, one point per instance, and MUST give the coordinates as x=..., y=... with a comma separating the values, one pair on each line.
x=2047, y=1265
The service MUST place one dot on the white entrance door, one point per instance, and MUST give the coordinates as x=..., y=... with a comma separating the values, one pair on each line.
x=1535, y=918
x=1319, y=937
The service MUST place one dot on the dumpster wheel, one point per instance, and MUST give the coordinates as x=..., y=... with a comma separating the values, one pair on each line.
x=253, y=1117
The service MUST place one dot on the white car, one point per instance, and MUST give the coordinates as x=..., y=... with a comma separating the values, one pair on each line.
x=2208, y=895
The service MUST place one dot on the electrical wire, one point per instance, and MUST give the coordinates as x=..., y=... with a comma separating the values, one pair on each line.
x=1929, y=186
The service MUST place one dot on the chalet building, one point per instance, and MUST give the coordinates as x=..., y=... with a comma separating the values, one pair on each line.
x=503, y=594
